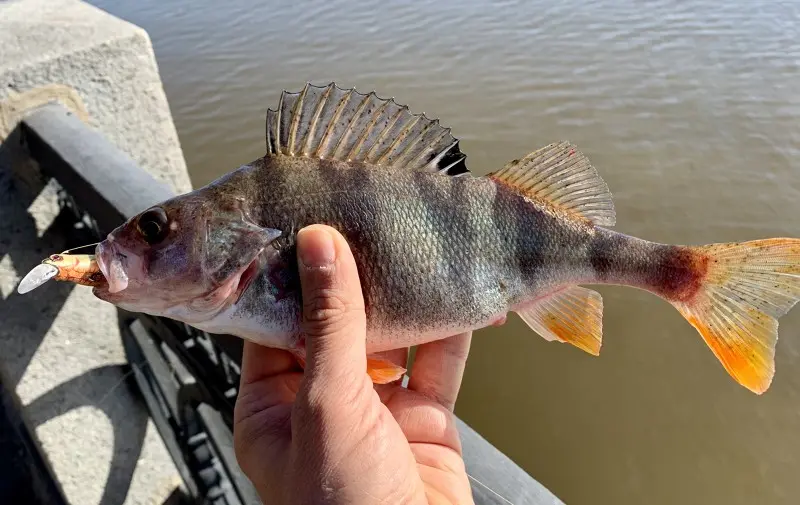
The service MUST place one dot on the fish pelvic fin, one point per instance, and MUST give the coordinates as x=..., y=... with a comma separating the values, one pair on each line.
x=746, y=287
x=380, y=371
x=328, y=122
x=383, y=371
x=560, y=176
x=573, y=314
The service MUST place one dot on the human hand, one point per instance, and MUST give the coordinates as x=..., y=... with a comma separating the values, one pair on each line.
x=328, y=435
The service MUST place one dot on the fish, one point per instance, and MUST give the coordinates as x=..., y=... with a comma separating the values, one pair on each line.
x=439, y=250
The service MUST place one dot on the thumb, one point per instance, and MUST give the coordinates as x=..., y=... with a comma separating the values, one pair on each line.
x=334, y=321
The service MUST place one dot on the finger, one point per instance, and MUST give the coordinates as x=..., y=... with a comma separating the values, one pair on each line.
x=269, y=377
x=256, y=401
x=422, y=420
x=259, y=362
x=439, y=367
x=334, y=321
x=397, y=356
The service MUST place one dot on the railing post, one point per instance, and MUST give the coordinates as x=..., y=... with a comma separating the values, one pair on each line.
x=108, y=183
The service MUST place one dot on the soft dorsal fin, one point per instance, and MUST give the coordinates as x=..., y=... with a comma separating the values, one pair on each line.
x=562, y=176
x=329, y=122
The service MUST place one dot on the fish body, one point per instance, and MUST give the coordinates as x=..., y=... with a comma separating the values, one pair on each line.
x=436, y=255
x=439, y=251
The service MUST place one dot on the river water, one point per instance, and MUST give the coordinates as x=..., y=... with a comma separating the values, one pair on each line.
x=690, y=111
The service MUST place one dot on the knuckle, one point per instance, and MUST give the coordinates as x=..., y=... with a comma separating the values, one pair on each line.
x=323, y=403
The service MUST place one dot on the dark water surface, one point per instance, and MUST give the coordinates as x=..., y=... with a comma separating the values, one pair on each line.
x=690, y=111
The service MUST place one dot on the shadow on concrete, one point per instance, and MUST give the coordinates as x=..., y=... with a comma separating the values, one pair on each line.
x=26, y=474
x=107, y=388
x=25, y=320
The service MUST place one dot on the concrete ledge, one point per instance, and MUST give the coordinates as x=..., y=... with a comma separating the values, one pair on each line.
x=63, y=45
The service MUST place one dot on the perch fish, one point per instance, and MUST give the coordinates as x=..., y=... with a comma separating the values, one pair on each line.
x=439, y=250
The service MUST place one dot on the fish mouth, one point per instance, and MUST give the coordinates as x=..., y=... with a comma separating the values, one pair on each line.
x=110, y=261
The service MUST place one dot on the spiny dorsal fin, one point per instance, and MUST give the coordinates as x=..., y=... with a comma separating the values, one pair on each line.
x=573, y=314
x=561, y=175
x=329, y=122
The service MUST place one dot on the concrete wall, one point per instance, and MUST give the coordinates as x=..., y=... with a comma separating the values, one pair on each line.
x=60, y=347
x=92, y=61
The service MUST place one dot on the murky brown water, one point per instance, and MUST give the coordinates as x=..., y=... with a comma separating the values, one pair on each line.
x=691, y=112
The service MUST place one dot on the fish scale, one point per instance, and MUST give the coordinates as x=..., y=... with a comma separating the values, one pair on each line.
x=439, y=251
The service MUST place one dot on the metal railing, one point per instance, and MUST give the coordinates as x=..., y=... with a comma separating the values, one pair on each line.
x=187, y=378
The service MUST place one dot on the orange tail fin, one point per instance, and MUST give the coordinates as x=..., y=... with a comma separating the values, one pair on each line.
x=747, y=287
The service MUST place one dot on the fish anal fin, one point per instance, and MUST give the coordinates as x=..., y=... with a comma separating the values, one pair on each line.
x=573, y=314
x=328, y=122
x=561, y=176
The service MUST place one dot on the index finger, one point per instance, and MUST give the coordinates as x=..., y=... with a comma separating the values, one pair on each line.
x=439, y=367
x=260, y=362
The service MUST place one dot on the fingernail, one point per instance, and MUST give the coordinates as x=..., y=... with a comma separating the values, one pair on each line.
x=315, y=247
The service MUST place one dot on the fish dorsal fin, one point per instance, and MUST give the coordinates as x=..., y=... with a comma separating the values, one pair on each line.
x=562, y=176
x=329, y=122
x=573, y=314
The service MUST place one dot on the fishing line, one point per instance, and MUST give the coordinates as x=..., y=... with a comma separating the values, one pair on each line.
x=134, y=367
x=69, y=251
x=99, y=403
x=490, y=489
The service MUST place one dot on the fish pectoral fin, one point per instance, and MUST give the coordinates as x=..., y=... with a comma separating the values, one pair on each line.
x=573, y=314
x=383, y=371
x=560, y=175
x=328, y=122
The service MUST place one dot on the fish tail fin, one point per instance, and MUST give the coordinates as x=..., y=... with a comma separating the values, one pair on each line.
x=744, y=289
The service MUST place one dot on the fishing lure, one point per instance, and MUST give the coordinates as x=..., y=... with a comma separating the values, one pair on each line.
x=77, y=268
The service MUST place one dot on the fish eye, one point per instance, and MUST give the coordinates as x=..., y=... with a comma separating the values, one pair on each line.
x=153, y=225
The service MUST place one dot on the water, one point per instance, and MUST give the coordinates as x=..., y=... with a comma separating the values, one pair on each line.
x=691, y=112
